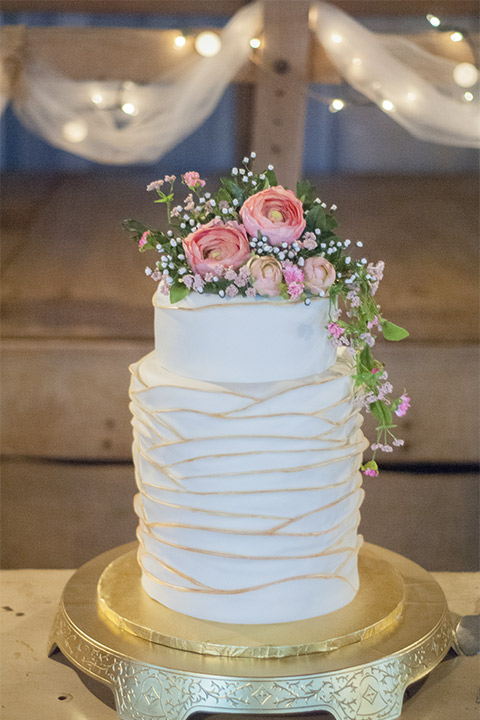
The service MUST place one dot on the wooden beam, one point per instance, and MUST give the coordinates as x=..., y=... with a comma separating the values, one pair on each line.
x=357, y=8
x=280, y=99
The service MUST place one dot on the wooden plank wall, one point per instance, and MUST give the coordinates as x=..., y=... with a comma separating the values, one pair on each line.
x=76, y=310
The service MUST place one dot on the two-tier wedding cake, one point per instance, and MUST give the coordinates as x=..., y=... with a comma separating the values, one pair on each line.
x=246, y=416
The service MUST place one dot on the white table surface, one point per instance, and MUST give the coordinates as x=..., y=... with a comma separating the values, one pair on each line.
x=35, y=687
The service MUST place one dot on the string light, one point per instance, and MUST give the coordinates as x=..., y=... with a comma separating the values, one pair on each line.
x=468, y=96
x=456, y=36
x=465, y=74
x=97, y=98
x=336, y=38
x=336, y=105
x=208, y=44
x=433, y=20
x=180, y=41
x=75, y=131
x=255, y=43
x=129, y=109
x=388, y=105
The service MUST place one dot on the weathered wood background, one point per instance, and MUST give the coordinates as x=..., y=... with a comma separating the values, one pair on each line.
x=77, y=310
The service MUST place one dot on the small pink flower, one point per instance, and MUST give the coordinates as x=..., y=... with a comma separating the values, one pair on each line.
x=170, y=178
x=403, y=407
x=292, y=273
x=197, y=282
x=295, y=289
x=192, y=179
x=250, y=292
x=187, y=281
x=216, y=244
x=370, y=472
x=276, y=212
x=230, y=274
x=335, y=330
x=309, y=241
x=319, y=274
x=155, y=185
x=267, y=275
x=144, y=239
x=375, y=370
x=231, y=291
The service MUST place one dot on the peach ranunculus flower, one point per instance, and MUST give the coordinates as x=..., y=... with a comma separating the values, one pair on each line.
x=267, y=275
x=276, y=212
x=216, y=244
x=319, y=274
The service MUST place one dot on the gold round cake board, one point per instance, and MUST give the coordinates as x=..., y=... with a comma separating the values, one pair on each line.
x=377, y=606
x=361, y=680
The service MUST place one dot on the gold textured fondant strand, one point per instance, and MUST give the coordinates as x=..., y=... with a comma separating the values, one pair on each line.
x=240, y=591
x=245, y=533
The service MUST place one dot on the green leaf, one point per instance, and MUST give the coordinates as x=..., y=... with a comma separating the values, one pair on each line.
x=272, y=178
x=315, y=218
x=366, y=358
x=177, y=292
x=381, y=412
x=392, y=331
x=232, y=187
x=330, y=222
x=134, y=227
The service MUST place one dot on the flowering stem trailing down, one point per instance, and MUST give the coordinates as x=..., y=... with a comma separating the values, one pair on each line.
x=254, y=237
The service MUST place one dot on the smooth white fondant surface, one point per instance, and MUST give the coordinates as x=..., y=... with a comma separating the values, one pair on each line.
x=206, y=337
x=249, y=493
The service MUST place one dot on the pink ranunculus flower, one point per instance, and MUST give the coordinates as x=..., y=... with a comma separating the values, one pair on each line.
x=192, y=179
x=276, y=212
x=216, y=244
x=319, y=274
x=267, y=275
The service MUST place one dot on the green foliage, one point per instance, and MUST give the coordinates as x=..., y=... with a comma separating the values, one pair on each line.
x=393, y=332
x=177, y=292
x=135, y=228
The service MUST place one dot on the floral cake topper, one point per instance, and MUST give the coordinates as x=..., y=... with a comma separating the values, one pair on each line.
x=253, y=237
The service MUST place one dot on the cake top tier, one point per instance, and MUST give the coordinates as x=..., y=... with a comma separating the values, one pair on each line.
x=242, y=340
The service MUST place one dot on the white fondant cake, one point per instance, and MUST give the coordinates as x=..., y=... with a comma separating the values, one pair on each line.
x=247, y=447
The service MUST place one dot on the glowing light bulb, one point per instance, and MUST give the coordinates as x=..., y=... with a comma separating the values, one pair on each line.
x=129, y=109
x=97, y=98
x=356, y=61
x=208, y=44
x=468, y=96
x=411, y=96
x=465, y=74
x=180, y=41
x=75, y=131
x=336, y=105
x=336, y=38
x=255, y=43
x=456, y=36
x=388, y=105
x=433, y=20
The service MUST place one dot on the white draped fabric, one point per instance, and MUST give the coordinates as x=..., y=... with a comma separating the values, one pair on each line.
x=414, y=87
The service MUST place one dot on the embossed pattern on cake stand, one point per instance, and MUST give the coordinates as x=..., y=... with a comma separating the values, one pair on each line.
x=366, y=679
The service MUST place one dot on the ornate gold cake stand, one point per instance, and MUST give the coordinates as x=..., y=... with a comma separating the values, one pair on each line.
x=386, y=639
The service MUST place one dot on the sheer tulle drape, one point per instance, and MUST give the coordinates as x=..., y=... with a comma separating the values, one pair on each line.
x=414, y=87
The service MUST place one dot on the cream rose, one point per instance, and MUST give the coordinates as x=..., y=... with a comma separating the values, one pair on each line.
x=276, y=212
x=267, y=275
x=216, y=244
x=319, y=274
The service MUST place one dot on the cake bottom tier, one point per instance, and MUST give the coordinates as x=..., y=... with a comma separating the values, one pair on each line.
x=249, y=495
